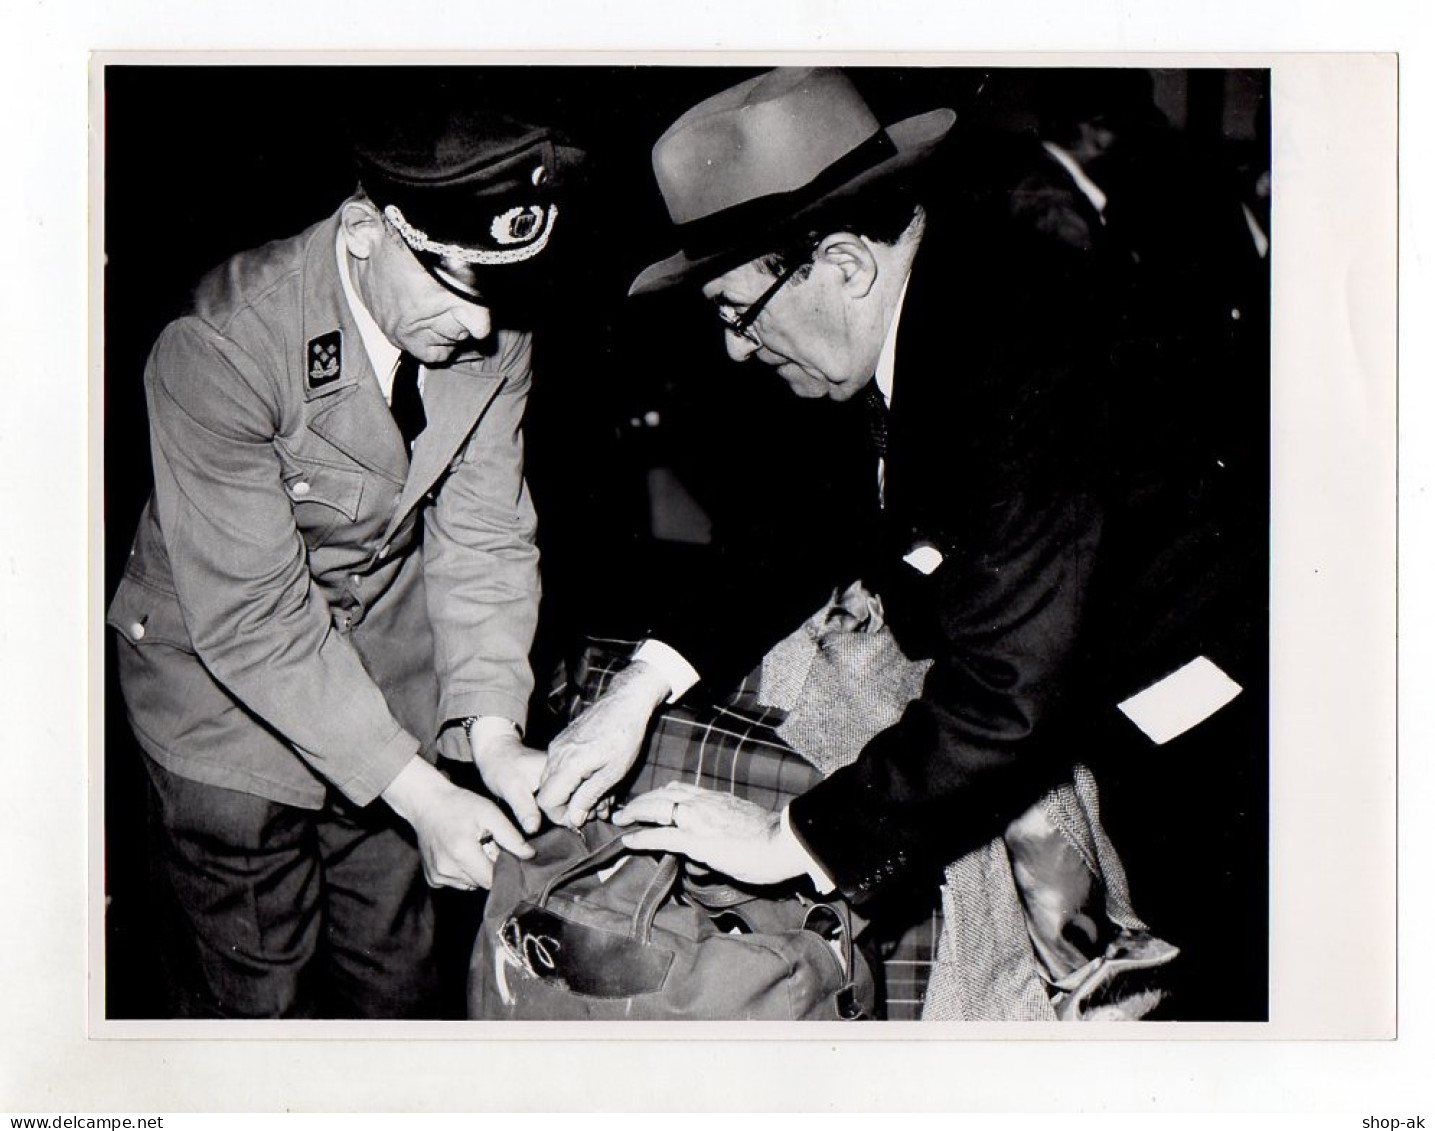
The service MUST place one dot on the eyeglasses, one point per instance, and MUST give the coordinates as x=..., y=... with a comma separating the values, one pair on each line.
x=741, y=324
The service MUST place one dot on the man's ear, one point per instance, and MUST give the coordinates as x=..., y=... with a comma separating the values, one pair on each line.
x=363, y=226
x=853, y=257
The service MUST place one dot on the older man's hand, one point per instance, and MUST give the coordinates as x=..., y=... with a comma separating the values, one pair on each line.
x=593, y=753
x=728, y=834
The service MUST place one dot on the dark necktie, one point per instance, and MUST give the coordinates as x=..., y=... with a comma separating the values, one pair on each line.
x=405, y=401
x=875, y=407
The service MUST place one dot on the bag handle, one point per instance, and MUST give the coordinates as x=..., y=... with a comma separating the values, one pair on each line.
x=723, y=897
x=606, y=853
x=714, y=897
x=849, y=1004
x=658, y=888
x=596, y=858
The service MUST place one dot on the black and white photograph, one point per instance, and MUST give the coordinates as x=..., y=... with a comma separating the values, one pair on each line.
x=594, y=542
x=706, y=559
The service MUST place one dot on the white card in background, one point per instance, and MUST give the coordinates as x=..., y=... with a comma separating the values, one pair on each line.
x=1189, y=695
x=924, y=558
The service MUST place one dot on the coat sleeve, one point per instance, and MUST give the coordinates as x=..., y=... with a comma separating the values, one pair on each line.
x=481, y=559
x=254, y=615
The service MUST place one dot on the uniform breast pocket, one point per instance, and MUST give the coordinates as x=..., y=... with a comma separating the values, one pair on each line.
x=325, y=500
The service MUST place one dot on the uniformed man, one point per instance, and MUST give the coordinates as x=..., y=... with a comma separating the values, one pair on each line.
x=336, y=576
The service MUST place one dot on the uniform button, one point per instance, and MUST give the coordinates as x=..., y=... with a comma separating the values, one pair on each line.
x=301, y=488
x=137, y=630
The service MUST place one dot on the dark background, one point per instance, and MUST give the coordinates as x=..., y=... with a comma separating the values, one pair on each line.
x=201, y=162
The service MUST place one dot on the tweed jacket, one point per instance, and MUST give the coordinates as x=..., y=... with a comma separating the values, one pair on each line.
x=304, y=604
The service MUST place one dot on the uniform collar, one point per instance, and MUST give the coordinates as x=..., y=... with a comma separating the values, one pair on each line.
x=383, y=354
x=339, y=380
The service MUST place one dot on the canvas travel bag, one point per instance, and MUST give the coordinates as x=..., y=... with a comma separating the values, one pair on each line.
x=586, y=930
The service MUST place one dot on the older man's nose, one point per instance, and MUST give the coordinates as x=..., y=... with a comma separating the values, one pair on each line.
x=475, y=320
x=739, y=346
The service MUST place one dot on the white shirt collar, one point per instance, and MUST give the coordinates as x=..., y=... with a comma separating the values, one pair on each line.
x=887, y=359
x=383, y=354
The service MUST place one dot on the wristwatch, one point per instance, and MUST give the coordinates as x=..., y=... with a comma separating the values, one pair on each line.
x=469, y=723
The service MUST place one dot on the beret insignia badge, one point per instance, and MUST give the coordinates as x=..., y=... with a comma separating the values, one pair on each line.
x=323, y=359
x=518, y=225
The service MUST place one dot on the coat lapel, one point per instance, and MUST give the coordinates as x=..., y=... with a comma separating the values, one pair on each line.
x=454, y=400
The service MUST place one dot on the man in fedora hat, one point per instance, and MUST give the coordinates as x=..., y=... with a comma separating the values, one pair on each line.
x=968, y=350
x=335, y=577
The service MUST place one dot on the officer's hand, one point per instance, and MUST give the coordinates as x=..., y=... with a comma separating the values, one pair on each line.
x=593, y=753
x=728, y=834
x=511, y=772
x=457, y=829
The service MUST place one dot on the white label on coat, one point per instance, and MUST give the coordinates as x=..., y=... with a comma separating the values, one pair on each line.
x=1189, y=695
x=924, y=558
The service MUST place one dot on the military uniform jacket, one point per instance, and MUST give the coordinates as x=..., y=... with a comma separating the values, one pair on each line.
x=303, y=605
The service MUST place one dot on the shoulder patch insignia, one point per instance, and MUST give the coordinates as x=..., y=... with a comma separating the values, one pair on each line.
x=323, y=361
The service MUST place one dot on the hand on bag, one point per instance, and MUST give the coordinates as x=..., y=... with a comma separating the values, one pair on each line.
x=735, y=837
x=458, y=831
x=594, y=751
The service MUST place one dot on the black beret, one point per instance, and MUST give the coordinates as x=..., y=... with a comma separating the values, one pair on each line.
x=469, y=190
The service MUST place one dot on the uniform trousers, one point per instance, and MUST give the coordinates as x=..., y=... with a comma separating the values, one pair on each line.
x=277, y=911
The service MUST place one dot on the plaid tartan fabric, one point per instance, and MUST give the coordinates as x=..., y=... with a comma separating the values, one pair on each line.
x=732, y=745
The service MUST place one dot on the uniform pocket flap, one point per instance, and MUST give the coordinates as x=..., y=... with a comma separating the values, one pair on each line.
x=332, y=487
x=146, y=615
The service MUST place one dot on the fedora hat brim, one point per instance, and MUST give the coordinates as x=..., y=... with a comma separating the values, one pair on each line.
x=914, y=140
